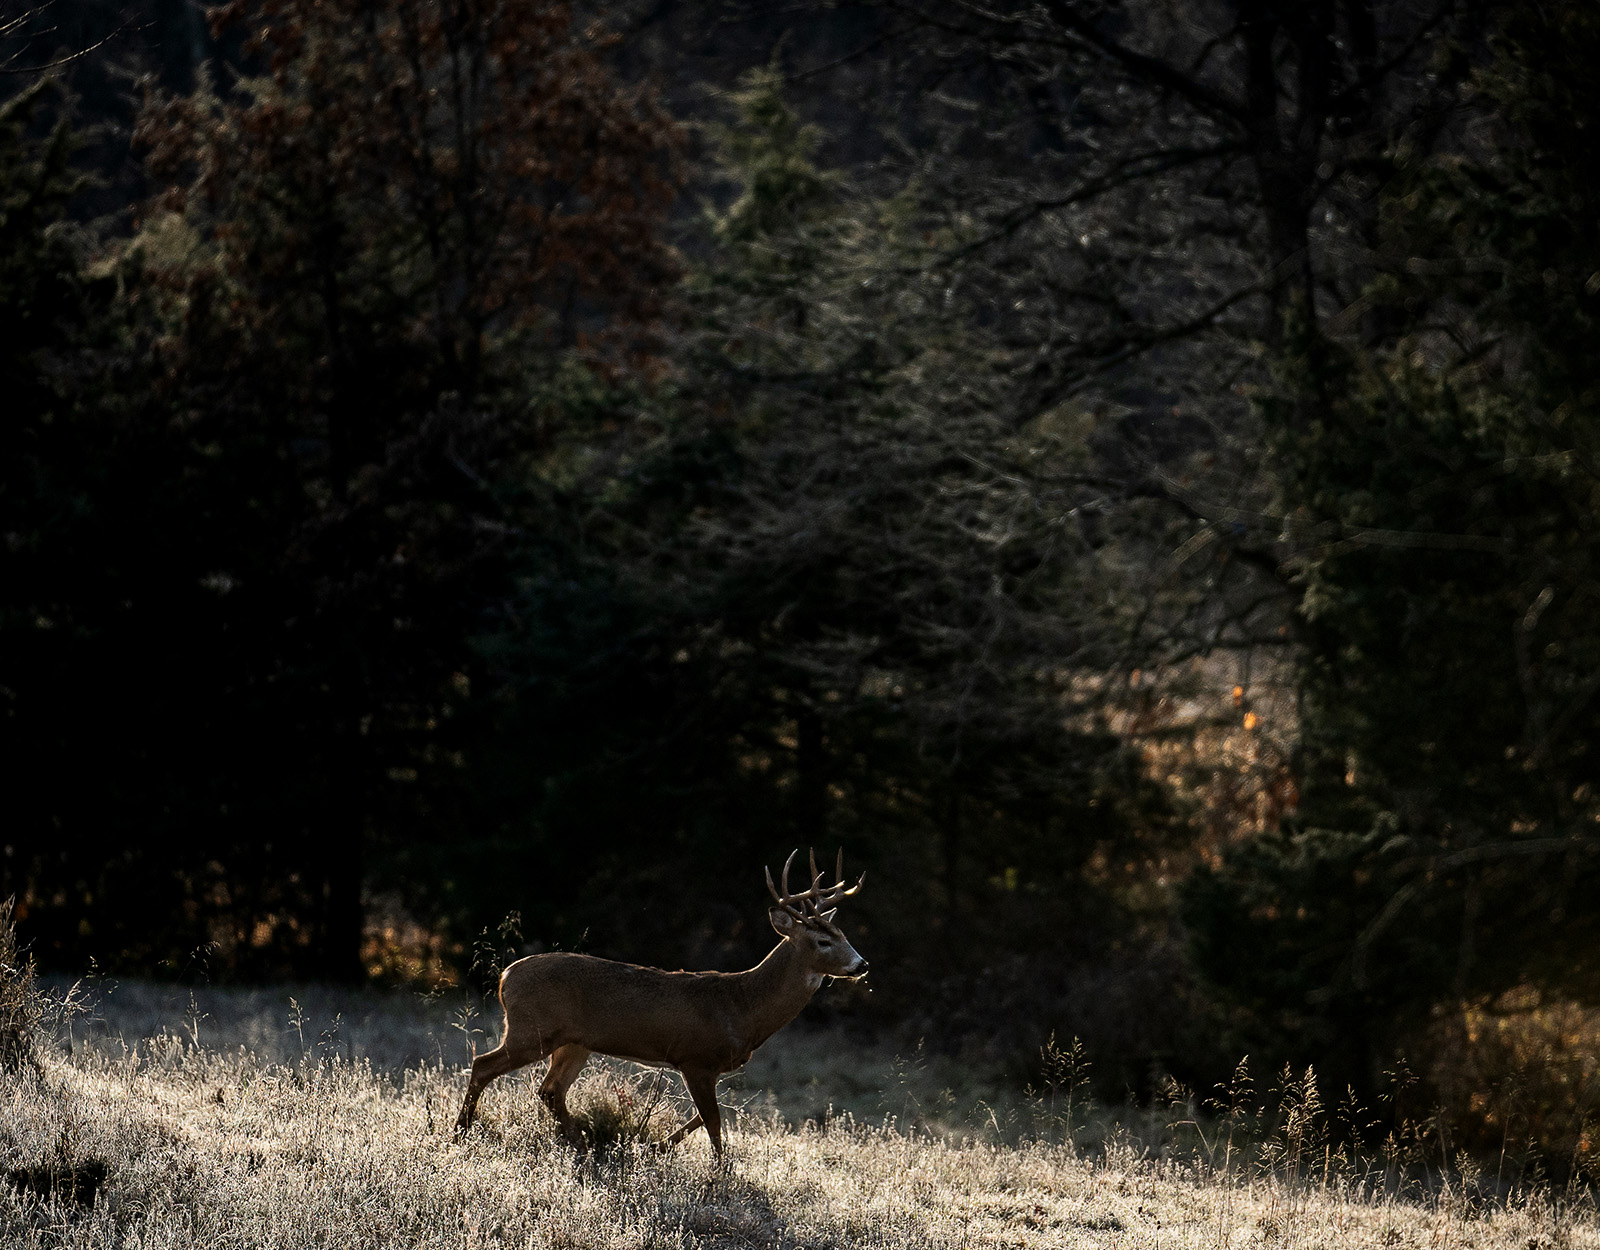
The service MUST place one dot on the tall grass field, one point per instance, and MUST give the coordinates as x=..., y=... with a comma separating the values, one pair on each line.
x=144, y=1116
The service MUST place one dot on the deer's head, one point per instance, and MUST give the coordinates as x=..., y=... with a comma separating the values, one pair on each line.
x=805, y=921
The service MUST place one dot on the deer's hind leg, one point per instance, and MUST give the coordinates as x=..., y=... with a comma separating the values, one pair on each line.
x=565, y=1063
x=510, y=1055
x=485, y=1068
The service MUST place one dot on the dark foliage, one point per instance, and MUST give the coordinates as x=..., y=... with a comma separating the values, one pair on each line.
x=272, y=508
x=390, y=508
x=1443, y=502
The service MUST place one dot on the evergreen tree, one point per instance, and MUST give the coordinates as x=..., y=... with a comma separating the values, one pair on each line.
x=340, y=313
x=813, y=603
x=1442, y=517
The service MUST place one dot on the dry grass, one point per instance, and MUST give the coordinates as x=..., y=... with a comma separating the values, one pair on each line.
x=240, y=1121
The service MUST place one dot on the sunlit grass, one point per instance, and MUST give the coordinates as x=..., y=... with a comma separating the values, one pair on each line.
x=189, y=1135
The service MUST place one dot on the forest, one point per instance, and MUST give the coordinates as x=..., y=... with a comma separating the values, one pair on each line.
x=491, y=477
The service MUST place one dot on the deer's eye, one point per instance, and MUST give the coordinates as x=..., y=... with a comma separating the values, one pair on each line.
x=822, y=942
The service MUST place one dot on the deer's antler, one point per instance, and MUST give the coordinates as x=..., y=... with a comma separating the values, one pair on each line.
x=817, y=898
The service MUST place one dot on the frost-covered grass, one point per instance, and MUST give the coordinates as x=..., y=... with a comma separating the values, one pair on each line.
x=236, y=1120
x=803, y=1073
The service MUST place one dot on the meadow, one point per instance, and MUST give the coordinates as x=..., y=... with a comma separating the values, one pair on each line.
x=151, y=1116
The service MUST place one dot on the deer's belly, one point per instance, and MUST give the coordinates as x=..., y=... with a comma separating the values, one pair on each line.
x=727, y=1061
x=657, y=1062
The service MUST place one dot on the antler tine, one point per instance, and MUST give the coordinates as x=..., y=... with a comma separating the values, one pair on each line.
x=837, y=891
x=784, y=900
x=833, y=895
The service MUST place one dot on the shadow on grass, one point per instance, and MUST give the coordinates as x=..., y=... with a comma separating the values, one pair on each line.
x=74, y=1183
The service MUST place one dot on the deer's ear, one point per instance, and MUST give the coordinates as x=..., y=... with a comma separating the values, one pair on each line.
x=827, y=916
x=782, y=921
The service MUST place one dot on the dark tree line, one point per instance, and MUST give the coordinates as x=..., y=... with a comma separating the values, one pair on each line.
x=255, y=522
x=456, y=480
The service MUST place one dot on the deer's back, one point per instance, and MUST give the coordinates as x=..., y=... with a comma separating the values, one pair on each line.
x=622, y=1009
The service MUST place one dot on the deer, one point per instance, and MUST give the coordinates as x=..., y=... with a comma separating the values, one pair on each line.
x=703, y=1024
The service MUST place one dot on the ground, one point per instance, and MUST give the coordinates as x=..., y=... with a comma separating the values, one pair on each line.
x=248, y=1119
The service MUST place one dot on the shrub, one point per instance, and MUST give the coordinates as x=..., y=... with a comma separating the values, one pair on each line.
x=20, y=1001
x=1517, y=1078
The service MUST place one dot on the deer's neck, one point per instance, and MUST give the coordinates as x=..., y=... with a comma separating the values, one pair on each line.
x=775, y=991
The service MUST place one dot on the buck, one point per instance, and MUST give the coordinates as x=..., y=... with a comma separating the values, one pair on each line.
x=703, y=1024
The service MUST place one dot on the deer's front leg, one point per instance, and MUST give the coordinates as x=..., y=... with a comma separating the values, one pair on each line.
x=683, y=1132
x=703, y=1089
